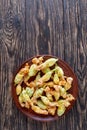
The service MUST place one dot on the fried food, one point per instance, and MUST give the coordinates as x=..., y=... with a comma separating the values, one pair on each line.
x=43, y=87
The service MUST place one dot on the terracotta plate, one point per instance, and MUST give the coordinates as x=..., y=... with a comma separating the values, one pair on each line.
x=74, y=91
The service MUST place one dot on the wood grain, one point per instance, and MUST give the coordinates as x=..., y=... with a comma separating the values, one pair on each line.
x=32, y=27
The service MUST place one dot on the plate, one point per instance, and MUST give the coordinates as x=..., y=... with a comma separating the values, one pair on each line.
x=74, y=90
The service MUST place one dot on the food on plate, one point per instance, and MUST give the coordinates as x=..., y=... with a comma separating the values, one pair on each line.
x=43, y=87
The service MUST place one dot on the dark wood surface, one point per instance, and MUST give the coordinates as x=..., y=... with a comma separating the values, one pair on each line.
x=32, y=27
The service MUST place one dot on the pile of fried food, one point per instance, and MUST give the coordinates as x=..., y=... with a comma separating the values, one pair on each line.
x=43, y=87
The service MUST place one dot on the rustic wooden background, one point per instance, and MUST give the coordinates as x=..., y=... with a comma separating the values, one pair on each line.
x=32, y=27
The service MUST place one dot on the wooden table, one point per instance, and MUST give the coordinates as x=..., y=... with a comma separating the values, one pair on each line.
x=32, y=27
